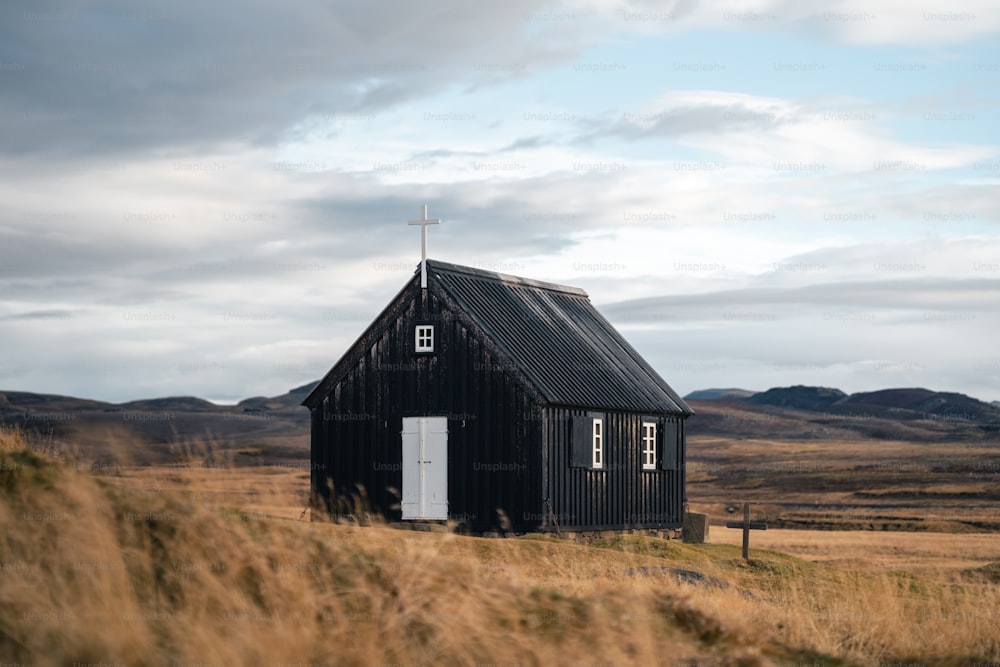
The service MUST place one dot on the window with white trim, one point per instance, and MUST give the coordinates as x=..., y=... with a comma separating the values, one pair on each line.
x=424, y=338
x=649, y=445
x=598, y=443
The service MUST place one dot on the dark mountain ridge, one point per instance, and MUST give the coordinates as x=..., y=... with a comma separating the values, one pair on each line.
x=799, y=397
x=903, y=403
x=24, y=401
x=187, y=403
x=256, y=431
x=919, y=402
x=275, y=429
x=803, y=412
x=712, y=394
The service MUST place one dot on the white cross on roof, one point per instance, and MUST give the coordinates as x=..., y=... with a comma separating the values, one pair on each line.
x=423, y=244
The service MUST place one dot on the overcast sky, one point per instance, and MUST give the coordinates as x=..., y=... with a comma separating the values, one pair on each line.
x=210, y=198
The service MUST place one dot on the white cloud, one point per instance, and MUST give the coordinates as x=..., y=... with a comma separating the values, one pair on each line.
x=253, y=184
x=778, y=137
x=861, y=22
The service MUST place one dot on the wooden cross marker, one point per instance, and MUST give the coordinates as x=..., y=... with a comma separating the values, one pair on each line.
x=747, y=525
x=423, y=244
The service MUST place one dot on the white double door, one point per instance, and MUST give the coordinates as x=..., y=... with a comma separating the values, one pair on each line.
x=425, y=468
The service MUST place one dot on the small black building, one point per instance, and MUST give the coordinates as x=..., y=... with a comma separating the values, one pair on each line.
x=502, y=403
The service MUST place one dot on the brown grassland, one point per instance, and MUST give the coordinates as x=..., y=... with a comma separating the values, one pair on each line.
x=195, y=564
x=849, y=484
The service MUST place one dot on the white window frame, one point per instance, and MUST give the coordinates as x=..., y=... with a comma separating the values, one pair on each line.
x=598, y=442
x=423, y=338
x=649, y=445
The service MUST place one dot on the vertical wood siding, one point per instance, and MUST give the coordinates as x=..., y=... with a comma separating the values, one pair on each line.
x=494, y=429
x=622, y=494
x=508, y=454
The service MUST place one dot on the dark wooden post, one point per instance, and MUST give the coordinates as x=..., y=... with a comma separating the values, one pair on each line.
x=746, y=531
x=747, y=526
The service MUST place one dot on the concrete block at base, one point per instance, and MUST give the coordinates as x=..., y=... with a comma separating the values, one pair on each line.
x=695, y=528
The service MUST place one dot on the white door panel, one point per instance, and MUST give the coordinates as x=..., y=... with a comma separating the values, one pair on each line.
x=425, y=468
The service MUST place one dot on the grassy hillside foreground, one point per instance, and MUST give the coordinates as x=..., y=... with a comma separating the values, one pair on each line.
x=94, y=573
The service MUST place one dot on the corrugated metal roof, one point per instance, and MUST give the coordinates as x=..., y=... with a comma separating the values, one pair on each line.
x=555, y=337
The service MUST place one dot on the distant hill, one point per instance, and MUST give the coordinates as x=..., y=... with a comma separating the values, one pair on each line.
x=803, y=412
x=799, y=397
x=926, y=404
x=27, y=401
x=291, y=400
x=274, y=430
x=180, y=403
x=714, y=394
x=256, y=431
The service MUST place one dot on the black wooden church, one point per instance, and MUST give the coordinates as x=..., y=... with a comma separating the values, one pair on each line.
x=501, y=403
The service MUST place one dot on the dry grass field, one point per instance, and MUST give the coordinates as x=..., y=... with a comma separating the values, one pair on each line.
x=859, y=484
x=939, y=556
x=279, y=492
x=201, y=565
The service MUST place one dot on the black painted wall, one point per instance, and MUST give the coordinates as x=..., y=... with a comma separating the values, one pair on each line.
x=621, y=494
x=509, y=465
x=494, y=426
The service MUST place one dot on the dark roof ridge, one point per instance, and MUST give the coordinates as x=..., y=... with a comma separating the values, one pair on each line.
x=446, y=267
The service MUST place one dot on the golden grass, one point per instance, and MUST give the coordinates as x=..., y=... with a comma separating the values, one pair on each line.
x=850, y=484
x=927, y=554
x=272, y=491
x=97, y=574
x=183, y=572
x=12, y=439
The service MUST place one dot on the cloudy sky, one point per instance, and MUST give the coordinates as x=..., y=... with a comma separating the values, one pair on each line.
x=210, y=198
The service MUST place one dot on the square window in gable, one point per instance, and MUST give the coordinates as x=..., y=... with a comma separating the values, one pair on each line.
x=424, y=338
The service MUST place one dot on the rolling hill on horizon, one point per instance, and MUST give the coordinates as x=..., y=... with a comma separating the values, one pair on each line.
x=40, y=402
x=804, y=412
x=801, y=397
x=900, y=404
x=275, y=430
x=256, y=431
x=716, y=393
